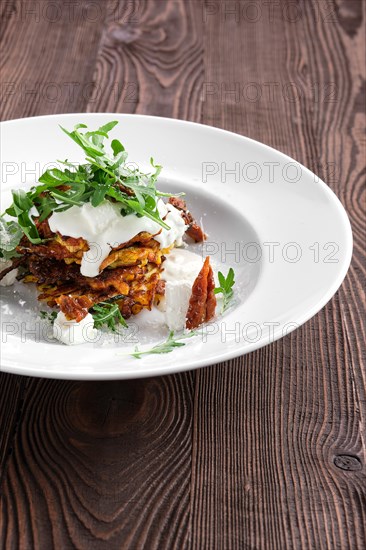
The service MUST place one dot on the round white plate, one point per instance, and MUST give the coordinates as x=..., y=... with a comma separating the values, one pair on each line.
x=278, y=225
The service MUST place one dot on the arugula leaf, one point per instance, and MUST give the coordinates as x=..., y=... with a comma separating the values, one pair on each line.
x=117, y=147
x=108, y=127
x=120, y=159
x=22, y=203
x=107, y=314
x=226, y=288
x=29, y=229
x=158, y=169
x=168, y=346
x=45, y=205
x=84, y=141
x=99, y=194
x=10, y=235
x=55, y=176
x=136, y=206
x=48, y=315
x=74, y=196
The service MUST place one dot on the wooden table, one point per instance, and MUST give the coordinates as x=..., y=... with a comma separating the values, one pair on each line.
x=266, y=451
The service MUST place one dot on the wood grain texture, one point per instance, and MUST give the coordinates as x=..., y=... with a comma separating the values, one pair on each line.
x=151, y=59
x=48, y=52
x=11, y=401
x=295, y=413
x=120, y=478
x=263, y=452
x=99, y=463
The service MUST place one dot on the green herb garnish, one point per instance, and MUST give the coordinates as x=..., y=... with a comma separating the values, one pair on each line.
x=165, y=347
x=226, y=288
x=104, y=314
x=107, y=314
x=104, y=176
x=48, y=315
x=10, y=235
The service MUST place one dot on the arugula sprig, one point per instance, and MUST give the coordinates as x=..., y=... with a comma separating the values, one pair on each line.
x=48, y=315
x=168, y=346
x=107, y=314
x=22, y=204
x=104, y=314
x=226, y=288
x=104, y=176
x=10, y=235
x=112, y=171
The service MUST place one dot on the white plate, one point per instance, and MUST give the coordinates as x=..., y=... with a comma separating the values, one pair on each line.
x=282, y=229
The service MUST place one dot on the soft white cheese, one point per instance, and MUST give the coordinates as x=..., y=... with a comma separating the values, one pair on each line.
x=73, y=333
x=104, y=228
x=177, y=228
x=181, y=268
x=10, y=277
x=177, y=295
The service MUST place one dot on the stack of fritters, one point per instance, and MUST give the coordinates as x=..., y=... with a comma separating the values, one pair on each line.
x=130, y=274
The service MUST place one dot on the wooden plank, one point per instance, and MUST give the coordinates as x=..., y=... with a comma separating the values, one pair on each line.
x=108, y=465
x=150, y=60
x=262, y=452
x=279, y=455
x=6, y=9
x=11, y=399
x=41, y=73
x=100, y=466
x=48, y=52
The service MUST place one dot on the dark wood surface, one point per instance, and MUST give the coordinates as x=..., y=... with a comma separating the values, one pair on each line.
x=263, y=452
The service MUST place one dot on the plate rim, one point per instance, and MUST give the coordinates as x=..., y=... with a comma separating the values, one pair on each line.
x=144, y=371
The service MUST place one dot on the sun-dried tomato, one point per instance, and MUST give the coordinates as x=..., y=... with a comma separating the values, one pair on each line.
x=202, y=303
